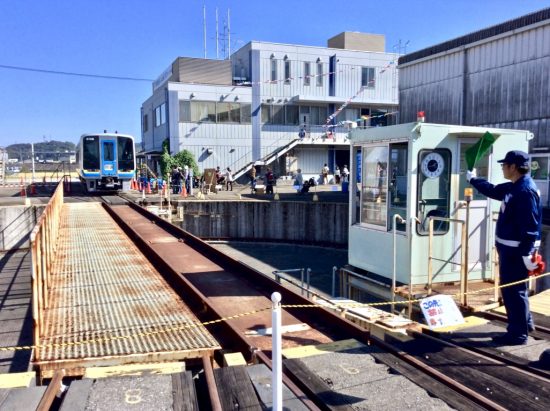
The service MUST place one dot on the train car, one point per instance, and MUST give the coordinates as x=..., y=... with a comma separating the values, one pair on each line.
x=106, y=161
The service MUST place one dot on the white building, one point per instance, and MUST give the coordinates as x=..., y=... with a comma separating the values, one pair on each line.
x=250, y=109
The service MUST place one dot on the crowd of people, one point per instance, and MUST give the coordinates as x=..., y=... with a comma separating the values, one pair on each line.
x=182, y=178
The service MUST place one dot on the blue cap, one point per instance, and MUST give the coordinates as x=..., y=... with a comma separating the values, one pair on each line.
x=517, y=157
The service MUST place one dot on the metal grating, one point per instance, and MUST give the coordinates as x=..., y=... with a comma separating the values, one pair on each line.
x=103, y=287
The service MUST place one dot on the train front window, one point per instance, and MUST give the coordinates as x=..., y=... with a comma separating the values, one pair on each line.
x=90, y=156
x=108, y=151
x=125, y=154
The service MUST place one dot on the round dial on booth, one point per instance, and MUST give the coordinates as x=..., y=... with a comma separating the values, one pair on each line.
x=432, y=165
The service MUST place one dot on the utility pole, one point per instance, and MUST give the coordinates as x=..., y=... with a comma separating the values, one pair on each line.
x=229, y=32
x=217, y=38
x=204, y=27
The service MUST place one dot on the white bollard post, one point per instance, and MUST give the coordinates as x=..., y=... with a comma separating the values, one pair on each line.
x=276, y=354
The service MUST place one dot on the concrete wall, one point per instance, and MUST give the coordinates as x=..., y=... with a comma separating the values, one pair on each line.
x=16, y=224
x=315, y=223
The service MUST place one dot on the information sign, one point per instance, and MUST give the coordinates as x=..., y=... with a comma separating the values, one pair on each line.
x=441, y=311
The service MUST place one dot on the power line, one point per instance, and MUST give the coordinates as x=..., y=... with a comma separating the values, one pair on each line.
x=70, y=73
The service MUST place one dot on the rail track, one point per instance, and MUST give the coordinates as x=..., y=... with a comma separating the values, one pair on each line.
x=215, y=286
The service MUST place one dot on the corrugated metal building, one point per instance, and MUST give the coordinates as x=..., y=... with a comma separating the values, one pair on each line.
x=252, y=108
x=495, y=77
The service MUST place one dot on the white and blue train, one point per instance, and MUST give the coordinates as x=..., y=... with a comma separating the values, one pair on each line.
x=106, y=161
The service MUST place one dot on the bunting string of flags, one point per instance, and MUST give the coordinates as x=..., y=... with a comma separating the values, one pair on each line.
x=362, y=118
x=344, y=105
x=387, y=66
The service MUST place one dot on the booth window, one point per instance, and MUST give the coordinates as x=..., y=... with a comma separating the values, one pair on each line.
x=398, y=184
x=375, y=184
x=433, y=190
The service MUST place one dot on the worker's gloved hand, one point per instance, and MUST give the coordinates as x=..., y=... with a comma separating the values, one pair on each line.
x=529, y=263
x=471, y=174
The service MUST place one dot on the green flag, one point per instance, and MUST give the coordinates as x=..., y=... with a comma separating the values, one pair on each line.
x=478, y=150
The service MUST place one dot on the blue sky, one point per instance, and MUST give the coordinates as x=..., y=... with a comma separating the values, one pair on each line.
x=139, y=39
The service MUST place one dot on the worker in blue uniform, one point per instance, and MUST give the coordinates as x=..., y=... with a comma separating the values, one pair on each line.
x=517, y=237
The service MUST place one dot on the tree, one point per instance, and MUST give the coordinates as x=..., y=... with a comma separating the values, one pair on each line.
x=181, y=159
x=186, y=158
x=166, y=161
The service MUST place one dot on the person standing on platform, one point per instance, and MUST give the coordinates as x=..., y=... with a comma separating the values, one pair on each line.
x=337, y=175
x=191, y=181
x=517, y=238
x=269, y=181
x=228, y=179
x=324, y=174
x=299, y=181
x=185, y=178
x=175, y=180
x=252, y=175
x=345, y=173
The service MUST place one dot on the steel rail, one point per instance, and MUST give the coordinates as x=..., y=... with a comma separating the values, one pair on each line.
x=211, y=383
x=310, y=404
x=54, y=388
x=502, y=318
x=439, y=376
x=486, y=352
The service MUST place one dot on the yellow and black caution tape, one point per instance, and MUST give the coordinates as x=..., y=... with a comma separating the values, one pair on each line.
x=245, y=314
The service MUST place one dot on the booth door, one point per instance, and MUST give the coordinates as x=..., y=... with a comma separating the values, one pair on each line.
x=480, y=218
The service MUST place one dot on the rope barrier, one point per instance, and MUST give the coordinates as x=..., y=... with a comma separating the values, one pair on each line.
x=246, y=314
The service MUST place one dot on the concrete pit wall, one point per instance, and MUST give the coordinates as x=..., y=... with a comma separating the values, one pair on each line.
x=304, y=222
x=16, y=224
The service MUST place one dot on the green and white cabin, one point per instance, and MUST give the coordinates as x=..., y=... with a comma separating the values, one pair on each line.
x=417, y=170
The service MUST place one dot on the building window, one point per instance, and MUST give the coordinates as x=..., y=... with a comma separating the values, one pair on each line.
x=145, y=125
x=185, y=111
x=280, y=114
x=266, y=113
x=319, y=74
x=307, y=73
x=287, y=72
x=246, y=113
x=277, y=114
x=367, y=77
x=273, y=70
x=202, y=111
x=317, y=115
x=160, y=115
x=228, y=112
x=291, y=115
x=157, y=116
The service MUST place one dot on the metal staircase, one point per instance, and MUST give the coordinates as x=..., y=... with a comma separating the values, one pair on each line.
x=268, y=159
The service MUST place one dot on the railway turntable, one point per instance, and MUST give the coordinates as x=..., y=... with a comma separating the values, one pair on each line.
x=103, y=303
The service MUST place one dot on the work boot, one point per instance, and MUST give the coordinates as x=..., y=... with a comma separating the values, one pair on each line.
x=508, y=339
